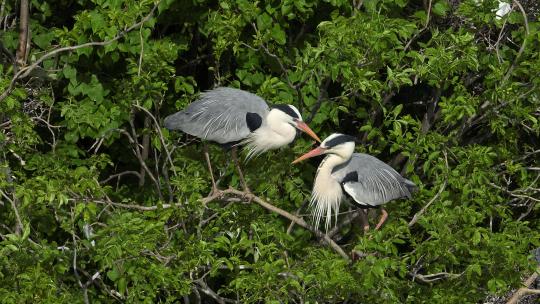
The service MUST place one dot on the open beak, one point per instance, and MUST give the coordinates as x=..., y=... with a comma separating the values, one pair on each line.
x=310, y=154
x=304, y=127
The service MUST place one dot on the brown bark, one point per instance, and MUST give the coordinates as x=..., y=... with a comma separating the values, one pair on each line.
x=23, y=33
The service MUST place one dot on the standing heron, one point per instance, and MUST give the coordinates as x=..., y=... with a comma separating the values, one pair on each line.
x=364, y=178
x=232, y=117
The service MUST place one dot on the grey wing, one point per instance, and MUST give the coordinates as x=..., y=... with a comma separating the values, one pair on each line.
x=375, y=183
x=218, y=115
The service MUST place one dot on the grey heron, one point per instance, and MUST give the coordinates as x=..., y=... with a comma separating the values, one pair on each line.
x=232, y=117
x=368, y=181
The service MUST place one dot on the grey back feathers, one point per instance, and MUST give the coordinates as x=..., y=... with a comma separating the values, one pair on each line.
x=219, y=115
x=376, y=182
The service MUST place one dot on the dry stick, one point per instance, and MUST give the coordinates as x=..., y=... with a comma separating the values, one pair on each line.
x=522, y=48
x=135, y=143
x=443, y=186
x=419, y=213
x=242, y=195
x=84, y=287
x=422, y=29
x=525, y=290
x=23, y=33
x=19, y=225
x=291, y=217
x=206, y=289
x=119, y=175
x=24, y=72
x=430, y=278
x=289, y=230
x=160, y=135
x=145, y=149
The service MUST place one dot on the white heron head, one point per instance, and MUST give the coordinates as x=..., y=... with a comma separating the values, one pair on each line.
x=338, y=144
x=286, y=113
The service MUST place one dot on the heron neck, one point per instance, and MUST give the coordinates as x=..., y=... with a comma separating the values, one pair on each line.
x=327, y=194
x=329, y=163
x=269, y=137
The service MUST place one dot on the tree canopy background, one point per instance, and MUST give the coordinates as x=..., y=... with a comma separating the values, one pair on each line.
x=98, y=203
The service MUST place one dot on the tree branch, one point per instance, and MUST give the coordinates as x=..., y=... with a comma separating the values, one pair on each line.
x=24, y=72
x=23, y=33
x=525, y=290
x=443, y=186
x=19, y=224
x=240, y=196
x=522, y=48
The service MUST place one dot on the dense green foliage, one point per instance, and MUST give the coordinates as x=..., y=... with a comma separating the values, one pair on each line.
x=442, y=90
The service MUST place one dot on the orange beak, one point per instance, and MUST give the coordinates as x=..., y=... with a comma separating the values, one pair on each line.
x=310, y=154
x=304, y=127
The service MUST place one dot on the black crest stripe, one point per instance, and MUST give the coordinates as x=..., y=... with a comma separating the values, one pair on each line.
x=339, y=140
x=287, y=109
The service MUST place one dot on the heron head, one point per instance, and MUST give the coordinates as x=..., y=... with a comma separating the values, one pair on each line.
x=290, y=114
x=339, y=144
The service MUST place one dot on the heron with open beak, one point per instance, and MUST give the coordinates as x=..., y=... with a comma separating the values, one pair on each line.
x=367, y=181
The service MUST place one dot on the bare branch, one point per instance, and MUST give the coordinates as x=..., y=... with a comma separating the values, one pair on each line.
x=525, y=290
x=160, y=136
x=139, y=156
x=422, y=29
x=84, y=287
x=23, y=33
x=239, y=196
x=119, y=175
x=24, y=72
x=522, y=48
x=430, y=278
x=19, y=225
x=443, y=186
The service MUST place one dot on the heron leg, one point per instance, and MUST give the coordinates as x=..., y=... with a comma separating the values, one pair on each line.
x=364, y=218
x=215, y=189
x=237, y=164
x=384, y=216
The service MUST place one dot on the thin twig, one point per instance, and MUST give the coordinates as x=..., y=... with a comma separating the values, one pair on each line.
x=119, y=175
x=19, y=225
x=443, y=186
x=522, y=48
x=242, y=196
x=421, y=30
x=161, y=138
x=139, y=156
x=84, y=287
x=430, y=278
x=24, y=72
x=23, y=33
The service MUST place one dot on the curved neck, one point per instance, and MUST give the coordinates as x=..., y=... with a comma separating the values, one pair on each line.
x=327, y=194
x=329, y=163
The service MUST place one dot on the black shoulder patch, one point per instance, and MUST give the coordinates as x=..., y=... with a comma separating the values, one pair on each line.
x=350, y=177
x=253, y=121
x=340, y=140
x=287, y=109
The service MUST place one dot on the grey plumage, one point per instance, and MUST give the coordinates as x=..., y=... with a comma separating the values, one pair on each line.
x=367, y=180
x=218, y=115
x=377, y=182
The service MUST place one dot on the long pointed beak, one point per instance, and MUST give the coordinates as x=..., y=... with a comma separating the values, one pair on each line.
x=304, y=127
x=310, y=154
